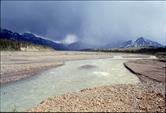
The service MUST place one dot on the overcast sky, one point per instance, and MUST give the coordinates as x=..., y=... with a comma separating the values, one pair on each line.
x=91, y=21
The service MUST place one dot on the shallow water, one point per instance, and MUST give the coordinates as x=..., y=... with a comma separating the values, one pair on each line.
x=24, y=94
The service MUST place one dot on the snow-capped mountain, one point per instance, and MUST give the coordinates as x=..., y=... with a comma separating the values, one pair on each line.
x=140, y=42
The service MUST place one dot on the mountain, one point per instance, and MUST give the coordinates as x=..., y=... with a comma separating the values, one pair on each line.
x=140, y=42
x=80, y=46
x=113, y=44
x=31, y=38
x=76, y=46
x=126, y=44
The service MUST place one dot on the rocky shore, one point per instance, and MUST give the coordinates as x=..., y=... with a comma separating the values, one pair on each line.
x=147, y=96
x=118, y=98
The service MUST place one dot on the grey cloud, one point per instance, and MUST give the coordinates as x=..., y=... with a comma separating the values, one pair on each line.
x=50, y=19
x=92, y=22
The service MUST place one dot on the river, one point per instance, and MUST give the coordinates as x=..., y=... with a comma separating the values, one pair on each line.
x=71, y=77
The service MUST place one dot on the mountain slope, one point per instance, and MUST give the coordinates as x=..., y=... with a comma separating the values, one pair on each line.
x=31, y=38
x=113, y=44
x=75, y=46
x=80, y=46
x=13, y=45
x=140, y=42
x=126, y=44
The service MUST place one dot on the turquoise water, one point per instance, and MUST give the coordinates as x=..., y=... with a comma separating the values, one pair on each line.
x=24, y=94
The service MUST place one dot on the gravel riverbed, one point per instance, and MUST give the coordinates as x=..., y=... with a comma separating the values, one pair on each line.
x=147, y=96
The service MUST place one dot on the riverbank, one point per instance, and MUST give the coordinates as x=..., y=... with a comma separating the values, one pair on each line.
x=147, y=96
x=20, y=65
x=151, y=69
x=152, y=73
x=113, y=98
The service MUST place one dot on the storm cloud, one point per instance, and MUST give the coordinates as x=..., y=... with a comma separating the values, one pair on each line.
x=92, y=22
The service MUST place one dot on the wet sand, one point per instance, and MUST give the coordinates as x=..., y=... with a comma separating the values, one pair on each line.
x=152, y=73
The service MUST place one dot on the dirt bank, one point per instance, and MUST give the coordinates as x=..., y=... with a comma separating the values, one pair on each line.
x=152, y=69
x=152, y=73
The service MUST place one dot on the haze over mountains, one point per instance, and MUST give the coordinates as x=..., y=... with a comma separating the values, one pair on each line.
x=78, y=45
x=29, y=37
x=96, y=23
x=140, y=42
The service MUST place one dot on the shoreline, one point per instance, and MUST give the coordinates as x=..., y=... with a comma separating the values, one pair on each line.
x=146, y=96
x=110, y=98
x=29, y=74
x=150, y=75
x=30, y=70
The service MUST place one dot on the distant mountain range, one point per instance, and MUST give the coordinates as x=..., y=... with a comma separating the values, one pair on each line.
x=80, y=46
x=76, y=46
x=31, y=38
x=140, y=42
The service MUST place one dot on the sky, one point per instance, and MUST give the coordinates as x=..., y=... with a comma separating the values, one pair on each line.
x=92, y=22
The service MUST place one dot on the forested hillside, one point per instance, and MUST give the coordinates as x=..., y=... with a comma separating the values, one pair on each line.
x=12, y=45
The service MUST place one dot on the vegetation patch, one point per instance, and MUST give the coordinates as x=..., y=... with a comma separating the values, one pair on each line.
x=13, y=45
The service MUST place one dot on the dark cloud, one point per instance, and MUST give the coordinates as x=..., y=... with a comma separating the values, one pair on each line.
x=51, y=19
x=92, y=22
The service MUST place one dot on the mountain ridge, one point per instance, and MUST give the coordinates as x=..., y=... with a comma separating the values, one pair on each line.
x=31, y=38
x=140, y=42
x=76, y=46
